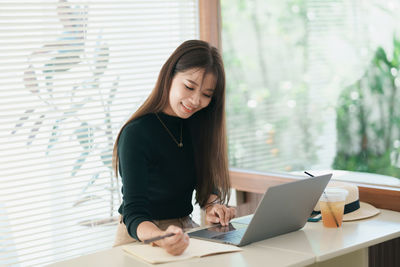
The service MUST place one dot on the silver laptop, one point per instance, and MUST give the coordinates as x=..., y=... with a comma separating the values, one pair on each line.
x=284, y=208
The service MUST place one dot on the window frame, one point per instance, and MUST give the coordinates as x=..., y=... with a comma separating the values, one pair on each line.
x=382, y=197
x=210, y=22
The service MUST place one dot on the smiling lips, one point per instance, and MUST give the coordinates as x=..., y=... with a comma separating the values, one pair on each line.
x=188, y=109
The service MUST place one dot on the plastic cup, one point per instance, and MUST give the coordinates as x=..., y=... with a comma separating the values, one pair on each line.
x=332, y=207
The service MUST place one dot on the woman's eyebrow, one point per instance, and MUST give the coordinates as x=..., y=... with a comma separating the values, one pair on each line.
x=192, y=82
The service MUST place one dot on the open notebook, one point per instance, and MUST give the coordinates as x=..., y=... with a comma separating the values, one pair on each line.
x=196, y=248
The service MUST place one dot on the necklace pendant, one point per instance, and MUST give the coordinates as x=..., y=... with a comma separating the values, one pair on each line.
x=180, y=144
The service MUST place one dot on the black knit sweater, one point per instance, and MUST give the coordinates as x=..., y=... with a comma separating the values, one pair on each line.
x=158, y=177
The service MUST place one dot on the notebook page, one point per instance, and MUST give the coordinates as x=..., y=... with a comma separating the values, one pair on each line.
x=196, y=248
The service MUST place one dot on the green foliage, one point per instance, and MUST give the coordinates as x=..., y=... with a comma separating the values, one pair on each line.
x=368, y=118
x=367, y=162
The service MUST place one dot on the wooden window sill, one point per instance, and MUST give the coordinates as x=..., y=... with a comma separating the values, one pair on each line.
x=382, y=197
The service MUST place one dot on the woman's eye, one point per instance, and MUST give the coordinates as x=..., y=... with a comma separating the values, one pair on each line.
x=190, y=88
x=208, y=96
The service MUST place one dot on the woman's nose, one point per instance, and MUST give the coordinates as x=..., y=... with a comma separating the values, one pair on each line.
x=195, y=99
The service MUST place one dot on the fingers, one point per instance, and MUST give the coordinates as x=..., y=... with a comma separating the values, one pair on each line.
x=212, y=215
x=220, y=214
x=178, y=247
x=175, y=238
x=174, y=229
x=177, y=243
x=232, y=212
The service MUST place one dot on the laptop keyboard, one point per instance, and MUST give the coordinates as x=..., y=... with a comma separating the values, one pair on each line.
x=233, y=236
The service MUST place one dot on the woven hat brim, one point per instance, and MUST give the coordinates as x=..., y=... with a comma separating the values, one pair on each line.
x=365, y=211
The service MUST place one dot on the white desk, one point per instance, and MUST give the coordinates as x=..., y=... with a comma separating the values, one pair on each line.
x=313, y=245
x=251, y=256
x=330, y=243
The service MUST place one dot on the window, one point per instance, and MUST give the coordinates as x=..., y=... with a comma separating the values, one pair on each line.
x=313, y=85
x=72, y=72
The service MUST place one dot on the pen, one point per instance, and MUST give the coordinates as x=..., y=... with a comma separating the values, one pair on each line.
x=148, y=241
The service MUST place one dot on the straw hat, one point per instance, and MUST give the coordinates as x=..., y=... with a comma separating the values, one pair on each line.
x=354, y=209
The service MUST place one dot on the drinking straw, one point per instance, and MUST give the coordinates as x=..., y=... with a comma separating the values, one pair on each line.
x=327, y=202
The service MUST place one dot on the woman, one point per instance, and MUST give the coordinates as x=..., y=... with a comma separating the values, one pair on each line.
x=173, y=144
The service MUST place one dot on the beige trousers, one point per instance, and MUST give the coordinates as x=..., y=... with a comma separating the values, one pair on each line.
x=122, y=237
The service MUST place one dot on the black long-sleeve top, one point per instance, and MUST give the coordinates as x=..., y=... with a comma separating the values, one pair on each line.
x=158, y=177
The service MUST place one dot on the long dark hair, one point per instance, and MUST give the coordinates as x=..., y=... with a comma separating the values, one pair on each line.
x=207, y=125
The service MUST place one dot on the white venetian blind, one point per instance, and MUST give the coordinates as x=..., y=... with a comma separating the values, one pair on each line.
x=71, y=73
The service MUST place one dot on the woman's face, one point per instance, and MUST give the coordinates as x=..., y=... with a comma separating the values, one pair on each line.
x=191, y=91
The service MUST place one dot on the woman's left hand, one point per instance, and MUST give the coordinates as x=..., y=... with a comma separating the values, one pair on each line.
x=218, y=213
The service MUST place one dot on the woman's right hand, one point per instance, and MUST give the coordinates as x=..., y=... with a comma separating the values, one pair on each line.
x=175, y=244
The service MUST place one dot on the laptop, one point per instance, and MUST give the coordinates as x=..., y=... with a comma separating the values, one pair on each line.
x=284, y=208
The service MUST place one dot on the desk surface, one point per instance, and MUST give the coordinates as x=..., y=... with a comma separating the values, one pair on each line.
x=313, y=243
x=327, y=243
x=252, y=256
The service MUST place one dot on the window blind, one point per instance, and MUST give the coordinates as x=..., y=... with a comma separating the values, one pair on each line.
x=71, y=73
